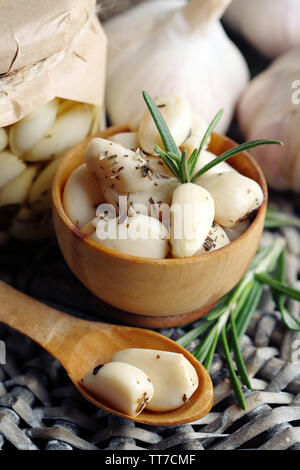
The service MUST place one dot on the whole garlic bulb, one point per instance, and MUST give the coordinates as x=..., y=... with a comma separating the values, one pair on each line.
x=272, y=26
x=270, y=108
x=173, y=47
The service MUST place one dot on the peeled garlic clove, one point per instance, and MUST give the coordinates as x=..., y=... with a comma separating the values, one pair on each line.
x=122, y=169
x=196, y=134
x=3, y=139
x=16, y=190
x=40, y=194
x=69, y=129
x=25, y=134
x=10, y=167
x=82, y=195
x=235, y=196
x=155, y=199
x=123, y=386
x=178, y=116
x=139, y=235
x=129, y=140
x=216, y=238
x=192, y=215
x=173, y=376
x=237, y=230
x=30, y=226
x=135, y=123
x=207, y=157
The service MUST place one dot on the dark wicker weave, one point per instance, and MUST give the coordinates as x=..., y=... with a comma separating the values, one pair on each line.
x=40, y=409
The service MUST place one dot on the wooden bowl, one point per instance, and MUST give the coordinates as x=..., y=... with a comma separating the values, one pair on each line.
x=156, y=292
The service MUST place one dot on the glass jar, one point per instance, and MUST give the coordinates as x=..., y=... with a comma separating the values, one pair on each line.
x=51, y=98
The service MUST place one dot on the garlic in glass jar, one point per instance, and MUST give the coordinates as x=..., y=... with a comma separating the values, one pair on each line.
x=81, y=197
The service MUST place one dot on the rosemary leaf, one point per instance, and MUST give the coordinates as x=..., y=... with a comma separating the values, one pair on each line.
x=237, y=354
x=210, y=354
x=202, y=350
x=191, y=335
x=161, y=125
x=204, y=140
x=184, y=168
x=287, y=317
x=279, y=286
x=234, y=379
x=244, y=318
x=276, y=219
x=169, y=162
x=234, y=151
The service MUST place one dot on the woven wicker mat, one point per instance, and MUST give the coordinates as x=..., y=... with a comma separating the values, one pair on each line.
x=40, y=409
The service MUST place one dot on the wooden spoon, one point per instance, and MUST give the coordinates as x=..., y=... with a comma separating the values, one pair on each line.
x=80, y=345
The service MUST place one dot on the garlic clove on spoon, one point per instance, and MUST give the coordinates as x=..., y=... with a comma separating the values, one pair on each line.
x=173, y=377
x=123, y=386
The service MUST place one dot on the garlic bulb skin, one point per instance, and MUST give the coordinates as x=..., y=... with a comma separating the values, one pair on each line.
x=271, y=26
x=192, y=215
x=235, y=196
x=216, y=238
x=173, y=377
x=138, y=235
x=157, y=57
x=123, y=386
x=82, y=195
x=269, y=108
x=178, y=115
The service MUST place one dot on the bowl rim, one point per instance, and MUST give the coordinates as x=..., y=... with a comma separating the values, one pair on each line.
x=57, y=206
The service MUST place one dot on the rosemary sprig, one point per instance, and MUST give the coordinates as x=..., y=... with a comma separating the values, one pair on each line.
x=230, y=319
x=277, y=219
x=178, y=162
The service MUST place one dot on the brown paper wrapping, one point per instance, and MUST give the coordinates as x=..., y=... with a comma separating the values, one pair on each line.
x=76, y=71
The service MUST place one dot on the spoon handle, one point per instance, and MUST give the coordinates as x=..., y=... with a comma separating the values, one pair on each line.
x=48, y=327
